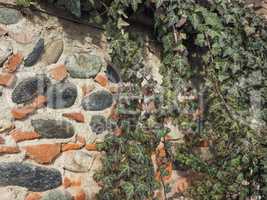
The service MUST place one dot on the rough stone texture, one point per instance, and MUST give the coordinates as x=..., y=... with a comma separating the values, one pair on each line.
x=9, y=16
x=98, y=100
x=83, y=65
x=57, y=195
x=13, y=193
x=61, y=95
x=32, y=177
x=52, y=52
x=77, y=161
x=49, y=128
x=98, y=124
x=5, y=52
x=30, y=88
x=5, y=125
x=36, y=53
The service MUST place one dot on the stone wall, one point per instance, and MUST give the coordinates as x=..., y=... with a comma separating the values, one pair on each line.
x=57, y=92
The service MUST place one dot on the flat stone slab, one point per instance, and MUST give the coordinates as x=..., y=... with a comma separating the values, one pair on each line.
x=30, y=88
x=9, y=16
x=83, y=65
x=61, y=95
x=33, y=177
x=53, y=51
x=113, y=74
x=98, y=124
x=36, y=53
x=97, y=101
x=50, y=128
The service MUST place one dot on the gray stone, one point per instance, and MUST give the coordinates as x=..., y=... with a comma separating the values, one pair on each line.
x=98, y=124
x=32, y=177
x=53, y=51
x=57, y=195
x=9, y=16
x=36, y=53
x=77, y=161
x=113, y=74
x=30, y=88
x=61, y=95
x=83, y=65
x=50, y=128
x=97, y=101
x=5, y=52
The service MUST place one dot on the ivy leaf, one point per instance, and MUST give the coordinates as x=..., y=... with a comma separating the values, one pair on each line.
x=159, y=3
x=121, y=23
x=128, y=188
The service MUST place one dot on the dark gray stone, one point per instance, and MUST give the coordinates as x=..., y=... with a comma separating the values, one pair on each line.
x=30, y=176
x=113, y=74
x=36, y=53
x=57, y=195
x=98, y=124
x=30, y=88
x=50, y=128
x=61, y=95
x=9, y=16
x=83, y=65
x=98, y=100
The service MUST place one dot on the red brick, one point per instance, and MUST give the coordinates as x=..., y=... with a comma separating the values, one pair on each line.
x=7, y=79
x=43, y=153
x=2, y=140
x=59, y=72
x=66, y=182
x=80, y=195
x=8, y=150
x=101, y=79
x=39, y=102
x=76, y=116
x=91, y=147
x=23, y=112
x=13, y=63
x=19, y=135
x=71, y=146
x=33, y=196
